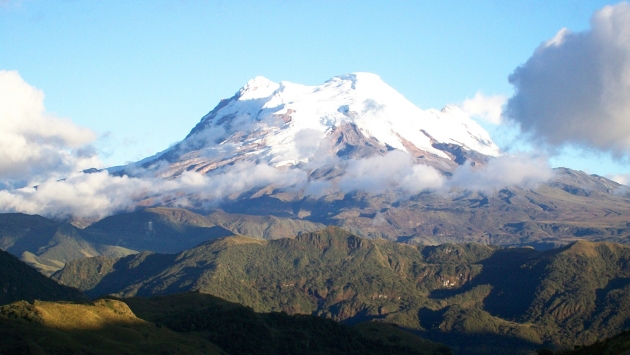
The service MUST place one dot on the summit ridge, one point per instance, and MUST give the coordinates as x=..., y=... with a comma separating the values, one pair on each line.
x=287, y=124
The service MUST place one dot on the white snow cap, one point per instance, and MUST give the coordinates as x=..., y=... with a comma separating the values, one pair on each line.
x=259, y=87
x=280, y=118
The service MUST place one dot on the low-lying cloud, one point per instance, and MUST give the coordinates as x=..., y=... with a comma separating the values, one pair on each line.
x=575, y=88
x=100, y=194
x=504, y=171
x=35, y=145
x=393, y=171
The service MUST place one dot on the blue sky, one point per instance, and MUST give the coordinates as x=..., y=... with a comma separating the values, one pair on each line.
x=141, y=74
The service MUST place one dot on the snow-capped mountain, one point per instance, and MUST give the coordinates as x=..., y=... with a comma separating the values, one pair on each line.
x=354, y=153
x=349, y=116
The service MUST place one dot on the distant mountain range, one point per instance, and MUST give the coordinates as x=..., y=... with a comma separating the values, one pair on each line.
x=277, y=159
x=47, y=244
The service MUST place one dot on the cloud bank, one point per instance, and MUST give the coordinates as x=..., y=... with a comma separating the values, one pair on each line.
x=101, y=194
x=35, y=145
x=575, y=88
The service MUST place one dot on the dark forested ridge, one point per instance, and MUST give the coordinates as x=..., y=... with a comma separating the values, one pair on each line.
x=472, y=297
x=19, y=281
x=240, y=330
x=190, y=324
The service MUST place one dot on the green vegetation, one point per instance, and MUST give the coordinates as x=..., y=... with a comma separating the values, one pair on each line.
x=103, y=327
x=239, y=330
x=473, y=297
x=190, y=323
x=478, y=299
x=46, y=244
x=616, y=345
x=19, y=281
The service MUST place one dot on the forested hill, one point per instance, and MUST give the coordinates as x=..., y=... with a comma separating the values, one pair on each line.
x=524, y=298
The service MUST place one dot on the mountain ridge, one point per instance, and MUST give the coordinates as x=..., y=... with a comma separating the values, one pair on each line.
x=285, y=124
x=450, y=293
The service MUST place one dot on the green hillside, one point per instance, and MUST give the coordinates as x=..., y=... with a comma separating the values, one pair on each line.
x=19, y=281
x=189, y=324
x=476, y=298
x=616, y=345
x=46, y=244
x=103, y=327
x=240, y=330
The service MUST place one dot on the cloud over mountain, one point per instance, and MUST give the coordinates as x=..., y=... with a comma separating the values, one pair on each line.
x=503, y=171
x=341, y=136
x=35, y=145
x=575, y=88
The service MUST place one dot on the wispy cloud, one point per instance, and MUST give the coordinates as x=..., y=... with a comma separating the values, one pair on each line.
x=575, y=88
x=623, y=179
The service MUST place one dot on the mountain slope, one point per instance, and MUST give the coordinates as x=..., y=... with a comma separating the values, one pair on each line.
x=103, y=327
x=19, y=281
x=286, y=124
x=171, y=230
x=47, y=244
x=239, y=330
x=354, y=153
x=567, y=296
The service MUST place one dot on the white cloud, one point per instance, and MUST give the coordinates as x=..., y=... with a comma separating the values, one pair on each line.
x=35, y=145
x=623, y=179
x=82, y=195
x=101, y=194
x=393, y=171
x=98, y=195
x=501, y=172
x=575, y=89
x=488, y=108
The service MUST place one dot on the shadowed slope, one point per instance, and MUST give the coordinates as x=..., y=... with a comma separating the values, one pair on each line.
x=19, y=281
x=571, y=295
x=104, y=327
x=239, y=330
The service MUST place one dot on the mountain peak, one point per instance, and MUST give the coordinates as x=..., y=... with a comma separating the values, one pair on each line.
x=362, y=77
x=354, y=115
x=257, y=88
